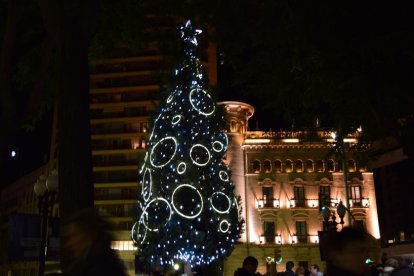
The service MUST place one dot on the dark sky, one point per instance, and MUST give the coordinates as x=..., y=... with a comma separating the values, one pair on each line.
x=32, y=151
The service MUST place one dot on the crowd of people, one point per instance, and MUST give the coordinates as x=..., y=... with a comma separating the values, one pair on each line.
x=350, y=252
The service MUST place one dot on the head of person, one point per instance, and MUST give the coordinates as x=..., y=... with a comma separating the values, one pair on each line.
x=391, y=262
x=289, y=265
x=250, y=264
x=84, y=229
x=300, y=270
x=351, y=249
x=314, y=269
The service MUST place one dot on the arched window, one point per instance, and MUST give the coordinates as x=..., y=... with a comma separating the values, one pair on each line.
x=233, y=126
x=288, y=166
x=278, y=166
x=298, y=166
x=256, y=166
x=320, y=167
x=309, y=166
x=330, y=165
x=351, y=166
x=267, y=166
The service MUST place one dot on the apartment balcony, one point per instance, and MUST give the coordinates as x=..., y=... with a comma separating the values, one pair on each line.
x=303, y=239
x=303, y=203
x=268, y=203
x=362, y=202
x=270, y=239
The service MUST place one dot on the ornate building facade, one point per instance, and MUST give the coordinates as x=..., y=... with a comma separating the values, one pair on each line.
x=281, y=178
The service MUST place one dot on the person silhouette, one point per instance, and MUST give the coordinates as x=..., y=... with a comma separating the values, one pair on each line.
x=86, y=243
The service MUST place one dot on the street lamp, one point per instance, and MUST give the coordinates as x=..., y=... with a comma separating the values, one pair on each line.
x=329, y=225
x=326, y=214
x=45, y=190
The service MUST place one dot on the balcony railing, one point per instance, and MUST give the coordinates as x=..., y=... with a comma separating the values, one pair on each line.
x=359, y=202
x=303, y=203
x=270, y=239
x=268, y=203
x=300, y=239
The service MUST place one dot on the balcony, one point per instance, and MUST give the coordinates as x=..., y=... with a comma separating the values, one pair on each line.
x=268, y=203
x=303, y=203
x=302, y=239
x=362, y=202
x=270, y=239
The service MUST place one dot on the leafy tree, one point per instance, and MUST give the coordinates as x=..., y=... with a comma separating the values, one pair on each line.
x=348, y=64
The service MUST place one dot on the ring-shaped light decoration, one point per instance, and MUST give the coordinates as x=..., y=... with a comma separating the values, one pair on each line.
x=224, y=226
x=136, y=235
x=177, y=209
x=205, y=108
x=176, y=119
x=146, y=184
x=215, y=207
x=170, y=97
x=157, y=145
x=181, y=168
x=155, y=124
x=224, y=176
x=218, y=146
x=205, y=149
x=146, y=213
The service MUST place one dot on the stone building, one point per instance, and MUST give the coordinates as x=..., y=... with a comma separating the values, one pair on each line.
x=281, y=178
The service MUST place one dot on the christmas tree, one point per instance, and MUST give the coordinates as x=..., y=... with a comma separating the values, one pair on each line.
x=189, y=212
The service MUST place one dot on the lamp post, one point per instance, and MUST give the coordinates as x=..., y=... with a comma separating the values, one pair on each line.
x=330, y=225
x=45, y=190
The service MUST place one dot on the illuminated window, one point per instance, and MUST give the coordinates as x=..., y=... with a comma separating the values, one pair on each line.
x=288, y=166
x=299, y=196
x=268, y=196
x=233, y=126
x=298, y=166
x=278, y=166
x=309, y=166
x=351, y=166
x=355, y=195
x=256, y=166
x=320, y=166
x=269, y=231
x=330, y=165
x=324, y=196
x=267, y=166
x=301, y=231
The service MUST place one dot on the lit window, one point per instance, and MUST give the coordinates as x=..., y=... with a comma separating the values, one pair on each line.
x=256, y=166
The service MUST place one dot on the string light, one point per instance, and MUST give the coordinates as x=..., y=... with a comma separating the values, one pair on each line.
x=186, y=145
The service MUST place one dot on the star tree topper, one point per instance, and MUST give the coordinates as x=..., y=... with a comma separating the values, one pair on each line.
x=188, y=33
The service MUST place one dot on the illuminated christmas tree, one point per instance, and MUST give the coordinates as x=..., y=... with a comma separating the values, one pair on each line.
x=188, y=208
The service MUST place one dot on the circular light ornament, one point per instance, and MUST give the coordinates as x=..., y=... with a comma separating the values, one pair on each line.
x=202, y=101
x=224, y=226
x=163, y=152
x=183, y=198
x=139, y=231
x=220, y=142
x=218, y=146
x=224, y=176
x=146, y=184
x=220, y=202
x=176, y=119
x=200, y=155
x=170, y=98
x=159, y=210
x=181, y=168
